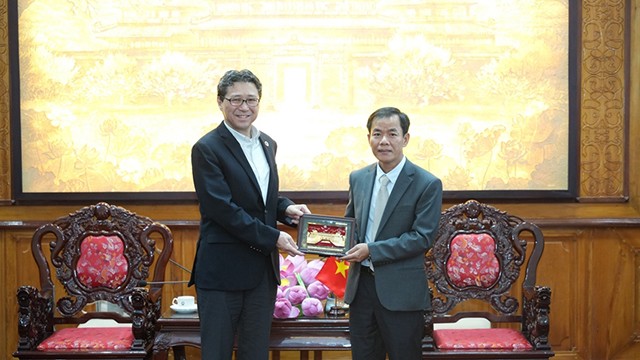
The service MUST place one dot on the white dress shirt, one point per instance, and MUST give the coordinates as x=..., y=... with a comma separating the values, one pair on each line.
x=252, y=149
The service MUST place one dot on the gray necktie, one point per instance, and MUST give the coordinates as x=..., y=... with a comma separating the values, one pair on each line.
x=381, y=202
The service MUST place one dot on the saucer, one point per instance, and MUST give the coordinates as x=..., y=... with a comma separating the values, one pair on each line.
x=184, y=309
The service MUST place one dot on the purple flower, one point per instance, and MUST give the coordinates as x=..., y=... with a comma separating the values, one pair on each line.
x=308, y=274
x=318, y=290
x=294, y=312
x=299, y=262
x=312, y=307
x=286, y=267
x=282, y=309
x=299, y=289
x=296, y=294
x=289, y=266
x=287, y=282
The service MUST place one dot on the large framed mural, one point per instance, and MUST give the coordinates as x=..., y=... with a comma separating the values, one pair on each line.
x=109, y=96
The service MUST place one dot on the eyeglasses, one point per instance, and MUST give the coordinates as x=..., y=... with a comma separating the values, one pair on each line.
x=238, y=101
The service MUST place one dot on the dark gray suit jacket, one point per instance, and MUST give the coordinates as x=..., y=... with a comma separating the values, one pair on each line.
x=406, y=232
x=238, y=233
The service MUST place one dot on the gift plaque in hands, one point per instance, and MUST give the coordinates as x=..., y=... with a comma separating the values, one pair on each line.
x=325, y=235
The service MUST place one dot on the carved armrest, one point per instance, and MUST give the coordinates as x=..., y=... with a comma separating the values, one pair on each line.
x=146, y=312
x=428, y=344
x=535, y=316
x=35, y=317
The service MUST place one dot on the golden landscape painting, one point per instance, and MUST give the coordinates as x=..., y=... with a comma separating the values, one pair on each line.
x=113, y=94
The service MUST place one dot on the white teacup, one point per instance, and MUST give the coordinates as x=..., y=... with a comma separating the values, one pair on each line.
x=184, y=301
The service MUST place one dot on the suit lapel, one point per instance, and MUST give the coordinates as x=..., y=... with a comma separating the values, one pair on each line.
x=232, y=144
x=399, y=189
x=365, y=203
x=270, y=153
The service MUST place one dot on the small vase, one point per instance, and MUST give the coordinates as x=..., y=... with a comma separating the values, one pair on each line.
x=335, y=308
x=331, y=302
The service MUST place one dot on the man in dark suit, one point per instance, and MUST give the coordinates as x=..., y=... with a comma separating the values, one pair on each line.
x=236, y=268
x=387, y=284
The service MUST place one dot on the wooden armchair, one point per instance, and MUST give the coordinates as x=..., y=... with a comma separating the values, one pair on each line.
x=474, y=264
x=100, y=254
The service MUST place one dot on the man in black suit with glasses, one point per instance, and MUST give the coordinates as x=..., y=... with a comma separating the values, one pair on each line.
x=236, y=267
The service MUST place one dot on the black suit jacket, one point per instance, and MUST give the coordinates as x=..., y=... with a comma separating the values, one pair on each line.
x=238, y=233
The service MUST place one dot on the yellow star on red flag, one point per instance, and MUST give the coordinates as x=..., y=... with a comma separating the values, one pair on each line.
x=341, y=267
x=333, y=275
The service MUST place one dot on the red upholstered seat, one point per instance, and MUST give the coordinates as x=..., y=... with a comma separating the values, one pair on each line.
x=99, y=338
x=452, y=339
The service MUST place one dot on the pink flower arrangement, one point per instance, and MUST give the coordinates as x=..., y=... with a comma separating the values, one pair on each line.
x=299, y=292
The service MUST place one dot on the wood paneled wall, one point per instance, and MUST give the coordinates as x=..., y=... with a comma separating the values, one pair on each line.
x=591, y=267
x=591, y=259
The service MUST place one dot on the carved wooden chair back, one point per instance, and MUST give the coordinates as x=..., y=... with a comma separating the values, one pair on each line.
x=476, y=259
x=100, y=255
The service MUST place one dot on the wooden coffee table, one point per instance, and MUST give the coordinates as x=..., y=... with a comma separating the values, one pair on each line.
x=175, y=331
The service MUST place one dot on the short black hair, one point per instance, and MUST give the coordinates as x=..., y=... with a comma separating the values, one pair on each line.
x=389, y=111
x=234, y=76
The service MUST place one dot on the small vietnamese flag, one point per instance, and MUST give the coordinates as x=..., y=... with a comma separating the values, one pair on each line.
x=333, y=275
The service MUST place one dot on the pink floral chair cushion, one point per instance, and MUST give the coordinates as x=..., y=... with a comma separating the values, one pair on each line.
x=102, y=262
x=99, y=338
x=458, y=339
x=473, y=261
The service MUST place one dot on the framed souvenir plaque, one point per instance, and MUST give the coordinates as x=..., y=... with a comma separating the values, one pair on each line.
x=325, y=235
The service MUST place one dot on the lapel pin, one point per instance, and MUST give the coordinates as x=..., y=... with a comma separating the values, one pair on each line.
x=266, y=144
